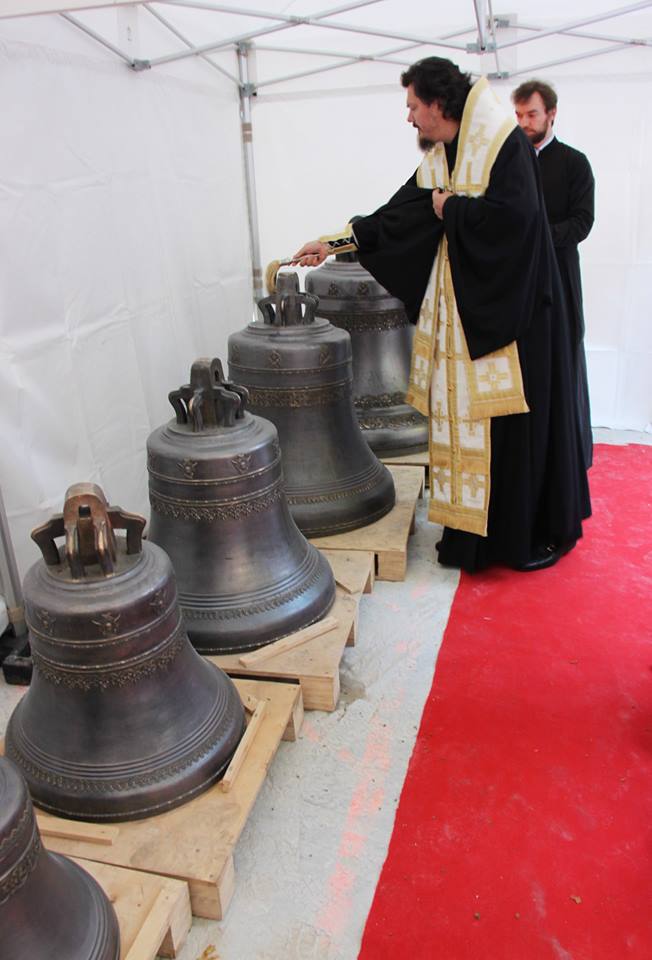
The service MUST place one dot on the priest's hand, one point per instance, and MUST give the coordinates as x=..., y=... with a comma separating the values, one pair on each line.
x=439, y=198
x=311, y=254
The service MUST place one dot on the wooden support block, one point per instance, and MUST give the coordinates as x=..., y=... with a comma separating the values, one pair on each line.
x=295, y=721
x=353, y=570
x=315, y=663
x=243, y=748
x=51, y=826
x=353, y=632
x=153, y=912
x=420, y=459
x=387, y=538
x=289, y=642
x=196, y=842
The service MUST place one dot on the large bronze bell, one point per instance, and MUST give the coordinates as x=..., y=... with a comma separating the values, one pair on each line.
x=49, y=906
x=298, y=372
x=123, y=718
x=381, y=340
x=246, y=574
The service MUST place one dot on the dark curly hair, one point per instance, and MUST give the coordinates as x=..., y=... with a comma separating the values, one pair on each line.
x=530, y=87
x=438, y=79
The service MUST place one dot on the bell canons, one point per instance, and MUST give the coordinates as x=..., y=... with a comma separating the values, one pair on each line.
x=123, y=719
x=246, y=574
x=297, y=369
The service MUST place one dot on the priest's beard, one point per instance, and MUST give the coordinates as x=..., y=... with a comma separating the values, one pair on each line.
x=424, y=143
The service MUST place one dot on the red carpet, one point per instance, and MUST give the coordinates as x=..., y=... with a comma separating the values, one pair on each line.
x=524, y=829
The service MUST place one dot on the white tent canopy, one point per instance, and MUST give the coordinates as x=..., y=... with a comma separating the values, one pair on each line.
x=124, y=197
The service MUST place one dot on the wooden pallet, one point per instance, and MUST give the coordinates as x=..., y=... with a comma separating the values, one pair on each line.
x=196, y=842
x=421, y=459
x=153, y=912
x=311, y=657
x=386, y=538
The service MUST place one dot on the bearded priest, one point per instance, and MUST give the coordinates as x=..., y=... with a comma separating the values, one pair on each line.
x=465, y=244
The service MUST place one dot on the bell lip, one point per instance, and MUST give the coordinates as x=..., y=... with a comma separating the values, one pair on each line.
x=315, y=521
x=253, y=634
x=133, y=794
x=144, y=811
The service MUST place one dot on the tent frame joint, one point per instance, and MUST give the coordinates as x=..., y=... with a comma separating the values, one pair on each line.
x=489, y=47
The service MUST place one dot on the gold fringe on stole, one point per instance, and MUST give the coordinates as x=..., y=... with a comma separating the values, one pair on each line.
x=460, y=395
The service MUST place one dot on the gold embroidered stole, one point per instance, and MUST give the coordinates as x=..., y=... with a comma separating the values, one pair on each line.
x=460, y=395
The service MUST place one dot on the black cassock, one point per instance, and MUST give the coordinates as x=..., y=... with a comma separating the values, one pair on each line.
x=507, y=287
x=568, y=190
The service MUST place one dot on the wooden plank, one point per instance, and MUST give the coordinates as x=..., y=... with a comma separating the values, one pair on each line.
x=354, y=570
x=289, y=642
x=243, y=748
x=387, y=538
x=153, y=912
x=51, y=826
x=196, y=842
x=314, y=664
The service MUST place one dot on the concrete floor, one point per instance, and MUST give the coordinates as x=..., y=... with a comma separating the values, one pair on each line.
x=309, y=858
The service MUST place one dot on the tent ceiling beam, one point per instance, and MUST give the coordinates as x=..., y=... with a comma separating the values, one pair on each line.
x=566, y=27
x=270, y=48
x=580, y=56
x=486, y=42
x=585, y=35
x=188, y=43
x=383, y=56
x=352, y=56
x=96, y=36
x=285, y=24
x=288, y=18
x=16, y=8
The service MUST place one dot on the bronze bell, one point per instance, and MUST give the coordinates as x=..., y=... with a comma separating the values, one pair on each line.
x=49, y=906
x=381, y=341
x=123, y=719
x=298, y=372
x=246, y=574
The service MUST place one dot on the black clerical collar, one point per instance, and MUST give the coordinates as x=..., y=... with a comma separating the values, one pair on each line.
x=451, y=152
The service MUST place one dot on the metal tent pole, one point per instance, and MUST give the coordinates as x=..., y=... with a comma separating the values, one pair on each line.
x=9, y=578
x=247, y=90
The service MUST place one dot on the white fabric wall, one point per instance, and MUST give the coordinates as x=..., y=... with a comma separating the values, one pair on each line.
x=323, y=156
x=125, y=256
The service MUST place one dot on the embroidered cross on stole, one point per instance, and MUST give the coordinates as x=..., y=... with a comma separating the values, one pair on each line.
x=458, y=394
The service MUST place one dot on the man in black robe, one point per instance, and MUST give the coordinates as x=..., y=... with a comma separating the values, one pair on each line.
x=507, y=289
x=568, y=190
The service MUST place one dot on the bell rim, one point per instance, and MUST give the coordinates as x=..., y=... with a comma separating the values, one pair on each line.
x=133, y=783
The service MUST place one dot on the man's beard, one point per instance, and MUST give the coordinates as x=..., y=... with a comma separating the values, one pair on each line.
x=424, y=143
x=537, y=136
